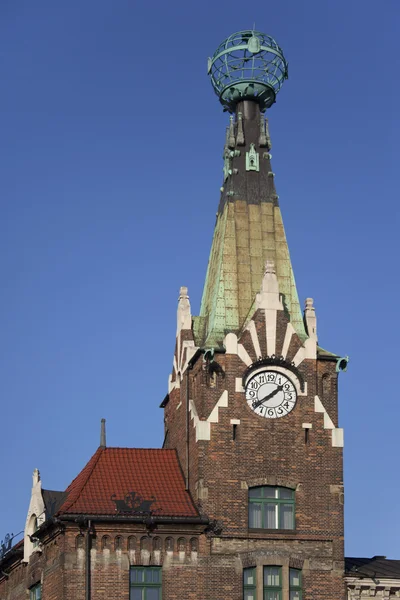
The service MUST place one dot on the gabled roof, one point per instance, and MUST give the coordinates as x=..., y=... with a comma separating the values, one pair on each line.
x=377, y=566
x=130, y=481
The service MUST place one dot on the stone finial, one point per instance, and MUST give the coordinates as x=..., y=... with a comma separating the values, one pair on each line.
x=184, y=315
x=269, y=296
x=268, y=139
x=310, y=319
x=240, y=131
x=270, y=266
x=262, y=140
x=270, y=280
x=103, y=434
x=231, y=133
x=35, y=477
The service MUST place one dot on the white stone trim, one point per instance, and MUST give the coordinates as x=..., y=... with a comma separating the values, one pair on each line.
x=203, y=431
x=36, y=510
x=269, y=296
x=235, y=421
x=338, y=437
x=299, y=356
x=254, y=338
x=368, y=589
x=190, y=348
x=238, y=385
x=184, y=316
x=203, y=428
x=310, y=346
x=243, y=355
x=231, y=344
x=270, y=330
x=306, y=425
x=222, y=402
x=337, y=432
x=290, y=330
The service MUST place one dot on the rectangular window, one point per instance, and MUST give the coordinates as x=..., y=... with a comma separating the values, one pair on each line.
x=249, y=584
x=36, y=592
x=295, y=584
x=271, y=508
x=145, y=583
x=272, y=583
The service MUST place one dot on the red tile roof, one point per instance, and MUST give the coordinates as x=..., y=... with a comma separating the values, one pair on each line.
x=130, y=475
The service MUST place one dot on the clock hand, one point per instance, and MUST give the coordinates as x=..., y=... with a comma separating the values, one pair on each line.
x=268, y=397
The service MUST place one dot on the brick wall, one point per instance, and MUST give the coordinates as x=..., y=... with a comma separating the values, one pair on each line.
x=266, y=451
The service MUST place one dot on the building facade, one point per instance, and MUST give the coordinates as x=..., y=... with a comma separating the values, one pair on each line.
x=245, y=499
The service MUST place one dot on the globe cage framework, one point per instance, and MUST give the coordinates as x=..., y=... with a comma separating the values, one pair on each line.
x=248, y=65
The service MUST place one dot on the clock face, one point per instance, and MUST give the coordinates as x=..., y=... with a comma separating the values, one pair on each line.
x=270, y=394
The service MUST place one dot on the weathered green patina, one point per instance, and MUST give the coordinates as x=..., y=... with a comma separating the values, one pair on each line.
x=245, y=236
x=248, y=65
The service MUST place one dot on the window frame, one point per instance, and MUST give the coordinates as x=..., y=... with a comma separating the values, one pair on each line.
x=296, y=588
x=144, y=585
x=249, y=587
x=272, y=588
x=33, y=592
x=276, y=501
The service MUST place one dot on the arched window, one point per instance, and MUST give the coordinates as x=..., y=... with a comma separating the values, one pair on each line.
x=169, y=544
x=118, y=543
x=194, y=546
x=79, y=541
x=105, y=543
x=145, y=543
x=181, y=545
x=271, y=508
x=131, y=542
x=156, y=543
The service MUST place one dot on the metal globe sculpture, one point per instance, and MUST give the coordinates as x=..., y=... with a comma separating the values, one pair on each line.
x=248, y=65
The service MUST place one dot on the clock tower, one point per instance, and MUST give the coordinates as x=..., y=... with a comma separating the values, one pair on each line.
x=252, y=407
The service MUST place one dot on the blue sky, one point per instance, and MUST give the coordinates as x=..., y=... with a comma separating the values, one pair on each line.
x=110, y=168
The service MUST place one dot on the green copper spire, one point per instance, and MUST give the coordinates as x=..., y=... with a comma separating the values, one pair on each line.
x=246, y=72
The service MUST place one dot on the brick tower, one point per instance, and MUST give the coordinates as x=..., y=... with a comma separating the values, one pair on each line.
x=252, y=407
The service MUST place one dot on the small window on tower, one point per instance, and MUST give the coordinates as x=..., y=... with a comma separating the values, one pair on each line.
x=271, y=508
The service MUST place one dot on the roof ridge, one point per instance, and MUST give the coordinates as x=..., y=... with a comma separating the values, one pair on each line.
x=135, y=448
x=74, y=494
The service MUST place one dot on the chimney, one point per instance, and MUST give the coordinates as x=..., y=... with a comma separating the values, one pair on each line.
x=103, y=434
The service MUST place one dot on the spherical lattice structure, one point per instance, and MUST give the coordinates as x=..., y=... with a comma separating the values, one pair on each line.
x=248, y=65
